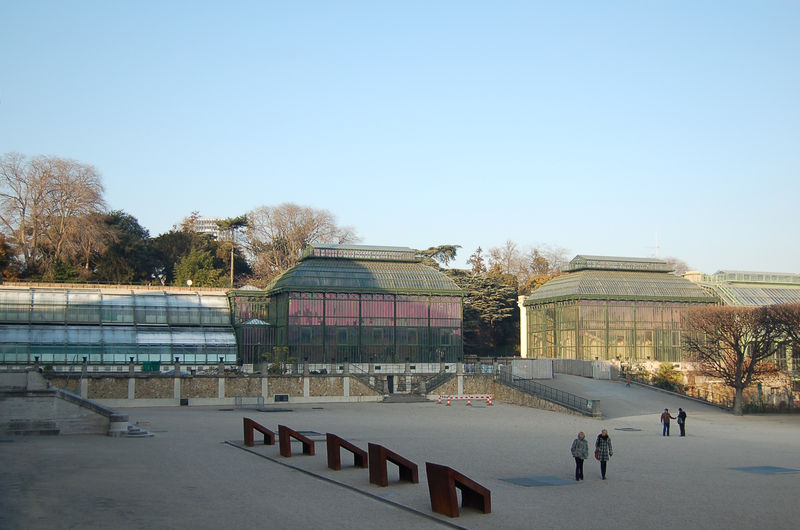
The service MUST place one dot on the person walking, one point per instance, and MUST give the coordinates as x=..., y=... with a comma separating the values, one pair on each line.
x=580, y=451
x=665, y=417
x=603, y=451
x=682, y=421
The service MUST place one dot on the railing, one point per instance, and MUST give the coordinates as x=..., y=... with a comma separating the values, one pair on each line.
x=436, y=381
x=554, y=395
x=365, y=377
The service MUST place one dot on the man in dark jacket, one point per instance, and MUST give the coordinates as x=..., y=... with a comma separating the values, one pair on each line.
x=682, y=421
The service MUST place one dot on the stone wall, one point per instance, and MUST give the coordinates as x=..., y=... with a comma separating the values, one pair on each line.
x=197, y=387
x=153, y=388
x=326, y=386
x=158, y=390
x=105, y=388
x=241, y=386
x=287, y=384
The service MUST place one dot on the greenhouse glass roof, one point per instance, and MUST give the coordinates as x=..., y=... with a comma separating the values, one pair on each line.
x=583, y=261
x=747, y=288
x=370, y=270
x=618, y=278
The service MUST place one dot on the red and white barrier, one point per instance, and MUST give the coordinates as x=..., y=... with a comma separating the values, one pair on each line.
x=467, y=397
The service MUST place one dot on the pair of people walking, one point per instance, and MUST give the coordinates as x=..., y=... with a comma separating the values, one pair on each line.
x=602, y=452
x=666, y=416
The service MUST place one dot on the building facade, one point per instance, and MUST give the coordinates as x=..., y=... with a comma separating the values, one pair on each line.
x=611, y=308
x=352, y=303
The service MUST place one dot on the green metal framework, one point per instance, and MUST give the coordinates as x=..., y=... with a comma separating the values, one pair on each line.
x=741, y=288
x=352, y=303
x=611, y=308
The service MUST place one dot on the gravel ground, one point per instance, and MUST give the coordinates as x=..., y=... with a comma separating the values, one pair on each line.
x=188, y=476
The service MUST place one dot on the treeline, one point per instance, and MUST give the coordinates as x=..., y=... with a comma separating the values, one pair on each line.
x=55, y=226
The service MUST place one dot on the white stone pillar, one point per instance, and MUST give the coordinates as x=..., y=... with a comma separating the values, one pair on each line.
x=523, y=327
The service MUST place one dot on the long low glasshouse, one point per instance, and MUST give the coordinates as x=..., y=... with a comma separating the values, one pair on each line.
x=107, y=326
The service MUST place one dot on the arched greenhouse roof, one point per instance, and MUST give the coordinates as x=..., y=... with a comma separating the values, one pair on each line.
x=363, y=269
x=612, y=278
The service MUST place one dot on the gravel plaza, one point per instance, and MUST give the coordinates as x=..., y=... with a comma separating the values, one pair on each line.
x=728, y=472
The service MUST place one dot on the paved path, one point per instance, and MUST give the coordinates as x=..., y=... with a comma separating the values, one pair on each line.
x=188, y=477
x=618, y=401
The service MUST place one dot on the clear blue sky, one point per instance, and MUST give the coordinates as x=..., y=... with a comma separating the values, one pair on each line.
x=594, y=126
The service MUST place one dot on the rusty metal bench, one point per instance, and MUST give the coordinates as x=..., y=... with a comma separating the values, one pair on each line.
x=285, y=434
x=335, y=443
x=250, y=426
x=442, y=484
x=378, y=474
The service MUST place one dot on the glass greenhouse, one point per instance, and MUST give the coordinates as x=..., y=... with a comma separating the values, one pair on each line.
x=352, y=303
x=111, y=325
x=611, y=308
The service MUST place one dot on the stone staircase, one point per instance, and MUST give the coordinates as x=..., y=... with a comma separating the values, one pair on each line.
x=134, y=431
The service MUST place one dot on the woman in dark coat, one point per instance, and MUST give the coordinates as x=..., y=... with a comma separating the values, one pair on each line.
x=603, y=451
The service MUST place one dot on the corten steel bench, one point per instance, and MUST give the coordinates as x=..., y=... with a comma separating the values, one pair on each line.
x=250, y=426
x=284, y=438
x=442, y=484
x=378, y=456
x=335, y=443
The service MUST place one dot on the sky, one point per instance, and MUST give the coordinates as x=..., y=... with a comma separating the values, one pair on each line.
x=641, y=128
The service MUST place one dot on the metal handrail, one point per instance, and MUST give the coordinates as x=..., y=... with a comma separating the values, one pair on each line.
x=554, y=395
x=437, y=380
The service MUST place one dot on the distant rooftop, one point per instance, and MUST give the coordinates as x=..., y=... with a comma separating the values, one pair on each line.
x=617, y=263
x=360, y=252
x=749, y=288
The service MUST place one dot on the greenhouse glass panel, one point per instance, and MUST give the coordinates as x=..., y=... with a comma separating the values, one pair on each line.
x=147, y=337
x=341, y=310
x=567, y=344
x=593, y=344
x=445, y=307
x=119, y=335
x=117, y=309
x=620, y=314
x=412, y=310
x=84, y=334
x=215, y=310
x=19, y=334
x=49, y=306
x=48, y=335
x=224, y=337
x=83, y=307
x=183, y=309
x=188, y=336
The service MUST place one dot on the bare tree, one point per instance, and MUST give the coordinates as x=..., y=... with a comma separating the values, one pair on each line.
x=679, y=267
x=733, y=344
x=787, y=318
x=42, y=201
x=532, y=267
x=277, y=235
